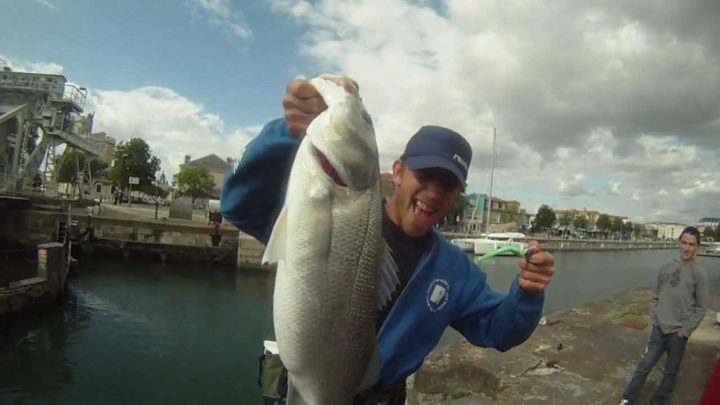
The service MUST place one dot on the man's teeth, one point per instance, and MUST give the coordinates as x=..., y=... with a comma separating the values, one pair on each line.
x=419, y=205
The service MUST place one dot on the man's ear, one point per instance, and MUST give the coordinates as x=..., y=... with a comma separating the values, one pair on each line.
x=397, y=172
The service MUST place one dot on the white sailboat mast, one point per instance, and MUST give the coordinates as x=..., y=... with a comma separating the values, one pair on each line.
x=492, y=178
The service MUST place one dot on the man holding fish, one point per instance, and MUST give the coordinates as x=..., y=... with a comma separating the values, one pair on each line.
x=418, y=281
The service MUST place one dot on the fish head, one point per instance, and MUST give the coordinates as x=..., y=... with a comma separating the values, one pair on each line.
x=343, y=136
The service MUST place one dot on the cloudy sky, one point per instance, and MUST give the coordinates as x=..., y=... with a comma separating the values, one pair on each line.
x=608, y=105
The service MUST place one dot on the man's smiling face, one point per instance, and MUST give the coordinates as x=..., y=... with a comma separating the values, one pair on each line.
x=421, y=198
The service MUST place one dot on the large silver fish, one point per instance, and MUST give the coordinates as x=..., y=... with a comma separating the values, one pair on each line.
x=327, y=243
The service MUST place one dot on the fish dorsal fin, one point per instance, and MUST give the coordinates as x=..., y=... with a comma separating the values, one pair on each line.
x=388, y=280
x=275, y=248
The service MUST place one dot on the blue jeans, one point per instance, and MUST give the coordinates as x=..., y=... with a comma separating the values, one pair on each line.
x=659, y=343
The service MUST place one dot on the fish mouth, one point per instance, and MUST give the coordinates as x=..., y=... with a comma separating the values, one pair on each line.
x=328, y=168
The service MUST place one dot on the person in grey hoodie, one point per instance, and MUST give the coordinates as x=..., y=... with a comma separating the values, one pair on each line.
x=679, y=301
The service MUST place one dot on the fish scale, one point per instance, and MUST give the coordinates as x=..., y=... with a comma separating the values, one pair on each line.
x=327, y=242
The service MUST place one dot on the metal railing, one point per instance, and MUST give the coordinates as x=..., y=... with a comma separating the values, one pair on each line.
x=55, y=86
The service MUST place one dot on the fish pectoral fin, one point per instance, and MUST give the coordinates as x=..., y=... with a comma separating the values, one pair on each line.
x=388, y=280
x=372, y=372
x=275, y=248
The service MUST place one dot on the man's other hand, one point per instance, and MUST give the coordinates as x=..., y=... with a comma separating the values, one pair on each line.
x=536, y=269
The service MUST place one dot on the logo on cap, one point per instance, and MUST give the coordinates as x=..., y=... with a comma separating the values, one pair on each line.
x=460, y=160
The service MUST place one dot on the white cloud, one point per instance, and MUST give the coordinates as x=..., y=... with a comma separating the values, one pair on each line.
x=46, y=4
x=604, y=105
x=221, y=13
x=19, y=65
x=573, y=186
x=707, y=184
x=622, y=94
x=171, y=124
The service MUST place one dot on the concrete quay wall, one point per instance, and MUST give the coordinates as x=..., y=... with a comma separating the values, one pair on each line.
x=29, y=227
x=141, y=237
x=584, y=355
x=558, y=244
x=45, y=287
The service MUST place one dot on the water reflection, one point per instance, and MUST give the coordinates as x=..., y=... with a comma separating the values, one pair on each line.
x=33, y=356
x=148, y=332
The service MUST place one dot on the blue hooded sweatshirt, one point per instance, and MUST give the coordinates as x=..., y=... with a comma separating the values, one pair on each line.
x=446, y=287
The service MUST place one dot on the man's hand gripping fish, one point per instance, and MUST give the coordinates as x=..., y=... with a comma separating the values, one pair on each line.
x=328, y=245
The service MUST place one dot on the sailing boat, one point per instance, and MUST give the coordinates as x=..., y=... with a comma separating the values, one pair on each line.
x=467, y=243
x=490, y=242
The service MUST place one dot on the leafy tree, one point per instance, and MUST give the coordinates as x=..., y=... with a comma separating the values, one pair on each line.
x=717, y=233
x=457, y=210
x=708, y=232
x=195, y=181
x=565, y=220
x=545, y=217
x=581, y=222
x=72, y=160
x=639, y=230
x=603, y=222
x=616, y=225
x=627, y=229
x=133, y=159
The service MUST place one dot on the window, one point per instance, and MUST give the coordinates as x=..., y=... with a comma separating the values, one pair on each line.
x=98, y=188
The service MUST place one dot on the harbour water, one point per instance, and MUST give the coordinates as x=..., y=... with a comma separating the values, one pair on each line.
x=145, y=332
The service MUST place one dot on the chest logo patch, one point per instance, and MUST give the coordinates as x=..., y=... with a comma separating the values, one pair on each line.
x=437, y=295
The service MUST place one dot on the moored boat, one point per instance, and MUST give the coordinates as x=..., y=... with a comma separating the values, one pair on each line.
x=711, y=250
x=496, y=241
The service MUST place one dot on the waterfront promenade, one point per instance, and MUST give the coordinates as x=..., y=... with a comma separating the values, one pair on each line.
x=137, y=231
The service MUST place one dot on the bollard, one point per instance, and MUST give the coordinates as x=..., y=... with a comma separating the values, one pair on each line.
x=51, y=263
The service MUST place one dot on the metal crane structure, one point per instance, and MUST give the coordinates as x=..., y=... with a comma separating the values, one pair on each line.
x=37, y=115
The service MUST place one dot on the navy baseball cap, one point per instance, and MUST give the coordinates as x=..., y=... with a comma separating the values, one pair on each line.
x=434, y=146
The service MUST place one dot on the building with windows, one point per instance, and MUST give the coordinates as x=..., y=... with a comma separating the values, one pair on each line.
x=666, y=230
x=708, y=223
x=504, y=214
x=105, y=144
x=215, y=165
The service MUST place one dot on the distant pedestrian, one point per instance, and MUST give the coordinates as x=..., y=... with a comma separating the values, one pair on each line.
x=680, y=298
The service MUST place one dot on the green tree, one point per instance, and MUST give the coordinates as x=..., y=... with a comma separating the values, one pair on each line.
x=545, y=217
x=717, y=233
x=627, y=229
x=708, y=232
x=581, y=222
x=72, y=160
x=133, y=159
x=639, y=231
x=565, y=220
x=195, y=181
x=616, y=225
x=457, y=210
x=603, y=222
